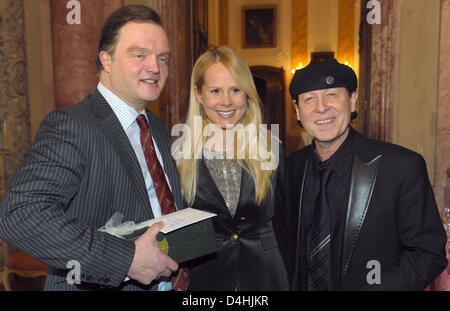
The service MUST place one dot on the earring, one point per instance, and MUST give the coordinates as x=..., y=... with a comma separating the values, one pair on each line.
x=353, y=115
x=202, y=111
x=299, y=123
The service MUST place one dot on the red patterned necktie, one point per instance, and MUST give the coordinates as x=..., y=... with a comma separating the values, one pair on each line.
x=181, y=280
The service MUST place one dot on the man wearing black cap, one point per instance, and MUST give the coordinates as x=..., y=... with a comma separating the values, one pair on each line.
x=362, y=212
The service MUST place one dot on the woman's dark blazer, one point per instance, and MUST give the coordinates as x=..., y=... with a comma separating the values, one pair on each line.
x=248, y=257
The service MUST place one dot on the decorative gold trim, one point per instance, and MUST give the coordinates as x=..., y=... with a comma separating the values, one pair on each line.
x=4, y=152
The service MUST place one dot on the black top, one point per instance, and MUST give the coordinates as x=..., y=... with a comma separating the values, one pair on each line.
x=337, y=194
x=392, y=217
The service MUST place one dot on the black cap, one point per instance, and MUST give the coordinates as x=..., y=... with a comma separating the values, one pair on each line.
x=322, y=75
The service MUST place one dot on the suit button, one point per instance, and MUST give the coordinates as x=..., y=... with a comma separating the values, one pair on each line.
x=234, y=237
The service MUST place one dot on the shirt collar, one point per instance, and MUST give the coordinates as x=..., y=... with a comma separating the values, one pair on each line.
x=341, y=159
x=126, y=114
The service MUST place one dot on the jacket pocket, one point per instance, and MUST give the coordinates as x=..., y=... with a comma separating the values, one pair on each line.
x=269, y=242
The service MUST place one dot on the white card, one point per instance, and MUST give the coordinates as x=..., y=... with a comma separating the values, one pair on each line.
x=177, y=220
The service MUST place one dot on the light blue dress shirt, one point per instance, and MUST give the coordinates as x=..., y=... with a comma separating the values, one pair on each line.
x=127, y=118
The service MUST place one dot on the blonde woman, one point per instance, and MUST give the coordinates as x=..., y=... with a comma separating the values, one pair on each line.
x=229, y=166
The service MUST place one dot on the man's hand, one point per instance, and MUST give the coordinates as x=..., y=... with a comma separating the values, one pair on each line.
x=149, y=262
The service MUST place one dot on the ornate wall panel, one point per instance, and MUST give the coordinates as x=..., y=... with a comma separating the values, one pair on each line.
x=223, y=22
x=442, y=159
x=14, y=110
x=299, y=52
x=346, y=31
x=378, y=121
x=75, y=48
x=174, y=99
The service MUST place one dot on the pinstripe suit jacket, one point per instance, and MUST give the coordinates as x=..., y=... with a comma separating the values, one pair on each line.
x=81, y=169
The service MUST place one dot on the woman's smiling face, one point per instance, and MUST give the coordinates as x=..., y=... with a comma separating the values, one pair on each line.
x=223, y=99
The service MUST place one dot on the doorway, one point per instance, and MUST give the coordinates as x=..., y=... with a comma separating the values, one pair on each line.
x=269, y=83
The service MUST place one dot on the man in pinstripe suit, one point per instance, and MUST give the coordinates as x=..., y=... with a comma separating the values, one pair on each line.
x=87, y=163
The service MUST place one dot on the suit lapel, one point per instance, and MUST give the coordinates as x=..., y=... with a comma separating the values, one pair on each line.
x=247, y=190
x=364, y=175
x=297, y=214
x=113, y=130
x=207, y=186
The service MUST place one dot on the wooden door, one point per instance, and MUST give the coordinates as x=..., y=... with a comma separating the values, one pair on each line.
x=269, y=82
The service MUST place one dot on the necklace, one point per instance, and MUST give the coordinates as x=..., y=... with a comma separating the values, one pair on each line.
x=226, y=173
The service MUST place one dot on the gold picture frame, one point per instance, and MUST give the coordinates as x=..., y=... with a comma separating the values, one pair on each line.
x=259, y=26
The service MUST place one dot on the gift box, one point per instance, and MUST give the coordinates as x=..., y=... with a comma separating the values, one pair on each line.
x=186, y=243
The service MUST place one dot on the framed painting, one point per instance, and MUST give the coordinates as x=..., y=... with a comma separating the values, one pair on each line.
x=259, y=26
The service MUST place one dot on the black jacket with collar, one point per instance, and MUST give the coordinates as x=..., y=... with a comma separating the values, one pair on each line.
x=391, y=217
x=248, y=257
